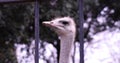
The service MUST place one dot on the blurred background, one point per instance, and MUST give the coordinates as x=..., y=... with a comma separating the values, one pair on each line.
x=101, y=31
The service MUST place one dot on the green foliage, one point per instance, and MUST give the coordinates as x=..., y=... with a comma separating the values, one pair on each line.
x=7, y=55
x=16, y=22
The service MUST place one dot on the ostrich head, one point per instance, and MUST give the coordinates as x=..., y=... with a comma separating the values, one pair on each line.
x=66, y=30
x=62, y=26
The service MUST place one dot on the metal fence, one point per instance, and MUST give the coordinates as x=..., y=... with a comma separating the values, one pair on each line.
x=81, y=20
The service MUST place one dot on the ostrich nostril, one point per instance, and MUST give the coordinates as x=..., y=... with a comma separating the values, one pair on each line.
x=51, y=22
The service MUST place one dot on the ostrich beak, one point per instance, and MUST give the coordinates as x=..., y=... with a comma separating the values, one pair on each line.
x=46, y=23
x=50, y=24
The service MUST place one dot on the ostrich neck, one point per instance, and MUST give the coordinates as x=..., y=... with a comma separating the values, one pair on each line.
x=66, y=44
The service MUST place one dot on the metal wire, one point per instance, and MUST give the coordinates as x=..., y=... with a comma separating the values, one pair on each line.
x=81, y=37
x=36, y=31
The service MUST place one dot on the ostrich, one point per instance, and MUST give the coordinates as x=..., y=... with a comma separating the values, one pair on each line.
x=66, y=30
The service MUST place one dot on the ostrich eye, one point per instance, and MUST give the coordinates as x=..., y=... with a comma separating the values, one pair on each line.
x=64, y=22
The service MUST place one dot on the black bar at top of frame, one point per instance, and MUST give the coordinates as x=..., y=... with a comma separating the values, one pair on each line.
x=36, y=32
x=14, y=1
x=81, y=31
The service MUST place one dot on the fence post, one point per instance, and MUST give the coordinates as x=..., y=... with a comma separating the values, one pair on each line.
x=81, y=32
x=36, y=31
